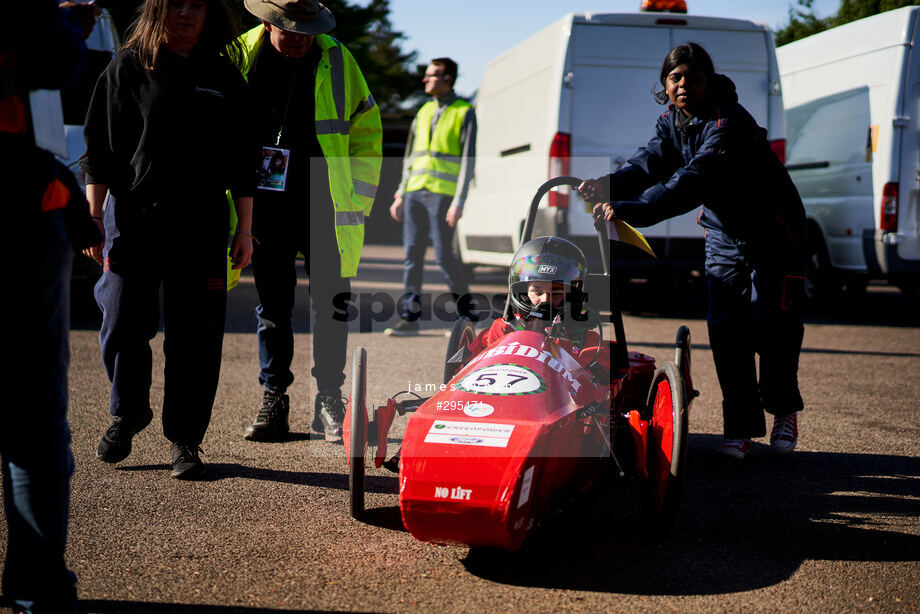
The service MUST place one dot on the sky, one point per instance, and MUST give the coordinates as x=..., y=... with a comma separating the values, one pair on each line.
x=473, y=32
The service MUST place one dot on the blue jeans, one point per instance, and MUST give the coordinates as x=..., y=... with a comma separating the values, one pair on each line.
x=754, y=308
x=34, y=435
x=424, y=216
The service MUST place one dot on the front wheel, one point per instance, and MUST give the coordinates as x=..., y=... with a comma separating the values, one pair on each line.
x=357, y=436
x=462, y=335
x=666, y=457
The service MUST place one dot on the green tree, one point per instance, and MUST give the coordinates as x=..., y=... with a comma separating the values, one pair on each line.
x=391, y=73
x=851, y=10
x=802, y=23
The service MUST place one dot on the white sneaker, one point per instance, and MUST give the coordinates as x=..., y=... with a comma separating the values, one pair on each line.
x=785, y=433
x=736, y=448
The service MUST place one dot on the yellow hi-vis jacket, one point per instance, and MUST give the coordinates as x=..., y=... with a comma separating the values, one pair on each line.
x=436, y=157
x=350, y=134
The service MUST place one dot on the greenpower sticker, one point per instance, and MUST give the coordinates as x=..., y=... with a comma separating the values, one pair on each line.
x=502, y=379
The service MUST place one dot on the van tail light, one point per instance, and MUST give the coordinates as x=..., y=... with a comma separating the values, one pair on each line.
x=889, y=216
x=559, y=166
x=779, y=148
x=671, y=6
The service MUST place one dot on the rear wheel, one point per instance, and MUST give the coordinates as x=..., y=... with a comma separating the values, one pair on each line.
x=357, y=436
x=462, y=335
x=667, y=449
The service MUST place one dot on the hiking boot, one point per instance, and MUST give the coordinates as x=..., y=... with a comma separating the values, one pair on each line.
x=785, y=433
x=329, y=412
x=736, y=448
x=271, y=424
x=403, y=328
x=115, y=445
x=186, y=464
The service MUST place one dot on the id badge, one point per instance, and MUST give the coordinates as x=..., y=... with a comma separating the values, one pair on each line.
x=273, y=171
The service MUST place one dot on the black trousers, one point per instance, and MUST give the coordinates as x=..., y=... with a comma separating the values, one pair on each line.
x=284, y=228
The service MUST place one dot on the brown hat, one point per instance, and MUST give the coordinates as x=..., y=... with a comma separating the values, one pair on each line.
x=304, y=16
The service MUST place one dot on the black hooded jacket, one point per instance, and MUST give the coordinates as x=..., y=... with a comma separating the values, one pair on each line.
x=722, y=160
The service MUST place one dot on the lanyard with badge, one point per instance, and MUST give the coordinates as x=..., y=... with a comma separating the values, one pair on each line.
x=275, y=159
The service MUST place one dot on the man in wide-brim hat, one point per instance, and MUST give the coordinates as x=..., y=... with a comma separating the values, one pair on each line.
x=299, y=16
x=314, y=110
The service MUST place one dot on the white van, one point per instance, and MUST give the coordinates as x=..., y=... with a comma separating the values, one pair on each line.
x=576, y=99
x=852, y=116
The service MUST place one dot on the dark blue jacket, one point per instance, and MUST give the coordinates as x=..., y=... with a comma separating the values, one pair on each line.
x=722, y=160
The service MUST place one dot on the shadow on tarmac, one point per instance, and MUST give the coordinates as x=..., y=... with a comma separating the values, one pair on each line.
x=224, y=471
x=742, y=526
x=139, y=607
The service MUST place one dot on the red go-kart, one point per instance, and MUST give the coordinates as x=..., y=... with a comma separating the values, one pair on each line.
x=485, y=458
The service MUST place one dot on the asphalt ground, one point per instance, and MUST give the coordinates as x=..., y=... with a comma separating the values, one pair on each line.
x=834, y=527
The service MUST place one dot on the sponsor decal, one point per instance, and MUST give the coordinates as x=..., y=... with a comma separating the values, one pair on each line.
x=502, y=379
x=473, y=441
x=516, y=349
x=458, y=493
x=487, y=434
x=548, y=269
x=525, y=486
x=478, y=410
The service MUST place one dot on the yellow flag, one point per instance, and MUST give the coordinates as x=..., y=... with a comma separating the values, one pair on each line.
x=618, y=230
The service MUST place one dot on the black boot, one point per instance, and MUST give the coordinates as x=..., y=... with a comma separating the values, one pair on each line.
x=328, y=414
x=271, y=424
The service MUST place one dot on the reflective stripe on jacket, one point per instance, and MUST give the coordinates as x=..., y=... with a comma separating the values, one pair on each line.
x=349, y=132
x=436, y=156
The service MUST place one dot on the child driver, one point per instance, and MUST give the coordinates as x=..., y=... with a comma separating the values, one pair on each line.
x=546, y=283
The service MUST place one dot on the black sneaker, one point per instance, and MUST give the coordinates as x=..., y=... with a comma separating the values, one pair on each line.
x=186, y=464
x=272, y=422
x=328, y=414
x=115, y=445
x=403, y=328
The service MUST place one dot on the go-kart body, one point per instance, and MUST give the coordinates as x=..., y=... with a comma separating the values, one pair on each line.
x=522, y=425
x=484, y=459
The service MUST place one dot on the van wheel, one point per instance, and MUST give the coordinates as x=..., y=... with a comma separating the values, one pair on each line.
x=821, y=283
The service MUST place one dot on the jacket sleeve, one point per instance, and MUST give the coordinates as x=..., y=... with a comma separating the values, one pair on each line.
x=468, y=159
x=689, y=185
x=407, y=158
x=246, y=143
x=100, y=162
x=649, y=165
x=365, y=136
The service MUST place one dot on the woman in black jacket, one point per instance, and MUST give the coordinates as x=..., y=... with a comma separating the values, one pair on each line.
x=708, y=150
x=166, y=135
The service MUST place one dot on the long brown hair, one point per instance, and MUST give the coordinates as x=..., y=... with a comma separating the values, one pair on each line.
x=220, y=34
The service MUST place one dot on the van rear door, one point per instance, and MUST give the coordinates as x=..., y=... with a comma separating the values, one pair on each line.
x=909, y=171
x=614, y=70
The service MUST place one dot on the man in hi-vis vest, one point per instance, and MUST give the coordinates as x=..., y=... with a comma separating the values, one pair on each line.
x=321, y=155
x=437, y=169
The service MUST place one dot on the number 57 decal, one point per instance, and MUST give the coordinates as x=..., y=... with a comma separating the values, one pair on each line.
x=502, y=379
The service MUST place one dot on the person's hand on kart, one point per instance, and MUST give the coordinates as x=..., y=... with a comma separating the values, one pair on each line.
x=602, y=212
x=592, y=191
